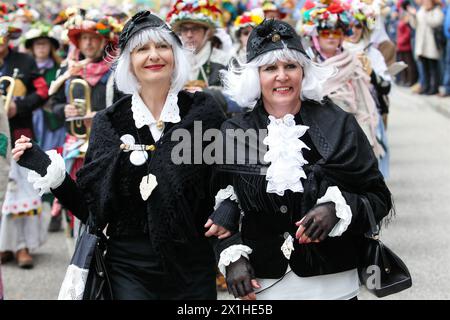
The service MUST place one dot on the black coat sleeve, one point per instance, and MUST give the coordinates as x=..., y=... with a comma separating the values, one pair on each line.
x=70, y=196
x=95, y=185
x=380, y=203
x=228, y=213
x=32, y=100
x=369, y=181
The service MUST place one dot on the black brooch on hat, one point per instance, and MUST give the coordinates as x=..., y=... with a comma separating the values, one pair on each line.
x=142, y=20
x=272, y=35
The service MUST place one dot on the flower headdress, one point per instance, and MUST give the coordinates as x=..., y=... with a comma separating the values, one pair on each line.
x=104, y=26
x=40, y=30
x=203, y=12
x=325, y=14
x=248, y=18
x=7, y=27
x=270, y=5
x=363, y=14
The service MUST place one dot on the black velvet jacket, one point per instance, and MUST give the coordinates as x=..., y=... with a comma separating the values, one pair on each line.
x=107, y=185
x=340, y=156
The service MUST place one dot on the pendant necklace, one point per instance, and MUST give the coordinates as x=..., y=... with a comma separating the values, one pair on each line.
x=148, y=182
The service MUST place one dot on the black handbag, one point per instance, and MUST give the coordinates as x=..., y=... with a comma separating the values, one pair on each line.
x=439, y=38
x=381, y=270
x=87, y=277
x=98, y=286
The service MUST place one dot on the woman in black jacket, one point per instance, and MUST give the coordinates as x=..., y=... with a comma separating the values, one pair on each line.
x=154, y=210
x=301, y=200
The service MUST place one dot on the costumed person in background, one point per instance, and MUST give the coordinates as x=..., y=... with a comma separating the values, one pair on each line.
x=23, y=227
x=154, y=207
x=243, y=25
x=379, y=36
x=86, y=62
x=272, y=10
x=363, y=21
x=59, y=22
x=49, y=130
x=23, y=18
x=229, y=14
x=222, y=38
x=302, y=199
x=327, y=23
x=196, y=22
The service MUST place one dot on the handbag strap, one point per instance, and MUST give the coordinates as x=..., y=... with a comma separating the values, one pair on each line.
x=375, y=231
x=374, y=228
x=92, y=226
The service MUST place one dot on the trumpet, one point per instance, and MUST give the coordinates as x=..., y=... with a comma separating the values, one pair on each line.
x=84, y=110
x=83, y=106
x=7, y=98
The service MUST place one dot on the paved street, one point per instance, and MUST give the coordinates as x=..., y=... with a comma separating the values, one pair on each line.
x=419, y=134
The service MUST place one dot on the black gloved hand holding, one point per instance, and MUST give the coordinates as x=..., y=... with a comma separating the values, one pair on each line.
x=239, y=276
x=227, y=215
x=319, y=221
x=35, y=159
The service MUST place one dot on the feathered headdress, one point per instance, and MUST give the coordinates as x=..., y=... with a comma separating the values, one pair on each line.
x=248, y=18
x=325, y=14
x=204, y=12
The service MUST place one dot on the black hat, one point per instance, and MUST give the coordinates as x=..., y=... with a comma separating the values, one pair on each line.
x=142, y=20
x=272, y=35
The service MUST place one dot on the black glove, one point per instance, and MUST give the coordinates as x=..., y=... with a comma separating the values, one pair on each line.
x=319, y=221
x=35, y=159
x=227, y=215
x=239, y=276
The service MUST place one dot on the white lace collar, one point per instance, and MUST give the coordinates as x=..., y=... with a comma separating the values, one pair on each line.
x=142, y=115
x=285, y=155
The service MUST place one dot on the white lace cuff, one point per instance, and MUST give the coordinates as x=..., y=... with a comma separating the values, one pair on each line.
x=224, y=194
x=56, y=173
x=232, y=254
x=74, y=283
x=343, y=210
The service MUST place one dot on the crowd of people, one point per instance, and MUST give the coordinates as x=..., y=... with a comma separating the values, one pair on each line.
x=91, y=99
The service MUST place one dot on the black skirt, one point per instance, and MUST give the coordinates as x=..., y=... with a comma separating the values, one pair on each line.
x=136, y=271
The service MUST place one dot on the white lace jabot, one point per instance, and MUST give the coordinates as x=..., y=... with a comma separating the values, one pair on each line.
x=285, y=155
x=142, y=115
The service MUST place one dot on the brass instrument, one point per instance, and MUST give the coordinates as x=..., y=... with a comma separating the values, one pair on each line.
x=7, y=98
x=83, y=105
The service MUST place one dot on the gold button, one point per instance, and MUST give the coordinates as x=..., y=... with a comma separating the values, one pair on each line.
x=160, y=125
x=276, y=37
x=151, y=147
